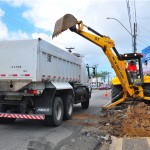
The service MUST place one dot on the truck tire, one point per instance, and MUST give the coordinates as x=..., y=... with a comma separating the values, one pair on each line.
x=146, y=89
x=68, y=106
x=116, y=93
x=57, y=113
x=85, y=104
x=3, y=109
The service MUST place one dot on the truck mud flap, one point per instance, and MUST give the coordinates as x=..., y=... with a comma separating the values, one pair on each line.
x=44, y=102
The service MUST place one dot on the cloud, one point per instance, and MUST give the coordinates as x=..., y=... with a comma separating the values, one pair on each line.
x=1, y=13
x=41, y=35
x=9, y=35
x=4, y=31
x=18, y=35
x=43, y=15
x=3, y=27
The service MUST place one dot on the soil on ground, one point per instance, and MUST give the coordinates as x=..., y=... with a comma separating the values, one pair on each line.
x=126, y=121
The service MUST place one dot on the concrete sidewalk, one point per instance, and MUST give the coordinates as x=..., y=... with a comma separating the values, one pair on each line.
x=130, y=143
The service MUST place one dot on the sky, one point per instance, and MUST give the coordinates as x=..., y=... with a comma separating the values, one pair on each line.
x=27, y=19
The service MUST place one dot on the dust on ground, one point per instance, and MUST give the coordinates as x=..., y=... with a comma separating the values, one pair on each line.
x=126, y=121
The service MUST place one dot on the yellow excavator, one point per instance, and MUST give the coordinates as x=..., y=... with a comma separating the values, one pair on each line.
x=127, y=85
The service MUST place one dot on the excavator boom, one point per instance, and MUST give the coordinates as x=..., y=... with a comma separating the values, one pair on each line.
x=117, y=61
x=64, y=23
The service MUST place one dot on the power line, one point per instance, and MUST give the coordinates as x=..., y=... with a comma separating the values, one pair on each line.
x=146, y=38
x=129, y=14
x=135, y=28
x=22, y=26
x=141, y=45
x=145, y=28
x=135, y=12
x=143, y=38
x=144, y=18
x=19, y=24
x=146, y=42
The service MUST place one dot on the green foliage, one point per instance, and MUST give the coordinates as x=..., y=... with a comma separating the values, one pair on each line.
x=103, y=74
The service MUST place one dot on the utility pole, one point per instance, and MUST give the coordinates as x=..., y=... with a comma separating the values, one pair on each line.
x=69, y=49
x=96, y=75
x=108, y=79
x=134, y=38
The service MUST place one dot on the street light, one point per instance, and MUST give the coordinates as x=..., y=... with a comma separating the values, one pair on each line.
x=133, y=36
x=122, y=25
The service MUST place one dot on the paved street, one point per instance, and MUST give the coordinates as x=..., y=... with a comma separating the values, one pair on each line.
x=72, y=134
x=130, y=144
x=79, y=133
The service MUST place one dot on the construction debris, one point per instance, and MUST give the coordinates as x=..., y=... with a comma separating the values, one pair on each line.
x=126, y=121
x=137, y=122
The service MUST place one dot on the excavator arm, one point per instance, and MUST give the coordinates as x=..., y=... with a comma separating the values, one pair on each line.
x=68, y=21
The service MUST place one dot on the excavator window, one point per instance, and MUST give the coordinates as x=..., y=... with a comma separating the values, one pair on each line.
x=132, y=66
x=134, y=71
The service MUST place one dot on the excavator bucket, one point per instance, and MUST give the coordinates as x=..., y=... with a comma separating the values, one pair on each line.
x=64, y=23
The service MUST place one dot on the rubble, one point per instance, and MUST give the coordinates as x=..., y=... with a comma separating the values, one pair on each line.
x=137, y=122
x=107, y=138
x=126, y=121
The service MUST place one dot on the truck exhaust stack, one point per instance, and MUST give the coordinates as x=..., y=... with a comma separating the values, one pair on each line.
x=64, y=23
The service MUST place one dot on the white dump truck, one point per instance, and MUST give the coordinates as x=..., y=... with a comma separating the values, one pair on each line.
x=40, y=81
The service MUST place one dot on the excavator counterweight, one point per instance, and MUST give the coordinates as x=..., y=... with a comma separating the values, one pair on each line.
x=64, y=23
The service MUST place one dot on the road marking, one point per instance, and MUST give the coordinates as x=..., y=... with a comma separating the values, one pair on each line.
x=137, y=143
x=148, y=141
x=130, y=143
x=116, y=143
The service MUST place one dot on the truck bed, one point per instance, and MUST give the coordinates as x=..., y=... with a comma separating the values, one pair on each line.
x=33, y=61
x=37, y=60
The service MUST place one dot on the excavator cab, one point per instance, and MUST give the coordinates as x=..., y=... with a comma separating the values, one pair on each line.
x=134, y=68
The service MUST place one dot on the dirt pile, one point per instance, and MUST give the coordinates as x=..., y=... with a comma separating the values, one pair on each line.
x=110, y=121
x=126, y=121
x=137, y=122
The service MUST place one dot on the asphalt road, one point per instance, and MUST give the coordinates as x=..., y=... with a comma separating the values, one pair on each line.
x=79, y=133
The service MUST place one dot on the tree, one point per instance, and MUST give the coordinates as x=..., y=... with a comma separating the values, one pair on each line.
x=104, y=75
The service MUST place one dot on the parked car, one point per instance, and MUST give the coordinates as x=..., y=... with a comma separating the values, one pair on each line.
x=104, y=87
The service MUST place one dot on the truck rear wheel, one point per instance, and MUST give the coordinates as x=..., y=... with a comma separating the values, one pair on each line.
x=57, y=113
x=116, y=93
x=3, y=109
x=68, y=106
x=85, y=104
